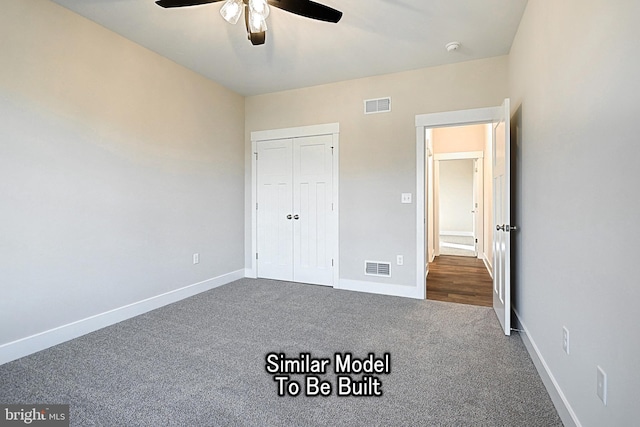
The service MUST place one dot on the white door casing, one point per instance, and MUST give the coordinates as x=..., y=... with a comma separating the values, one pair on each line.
x=501, y=218
x=478, y=206
x=478, y=190
x=423, y=122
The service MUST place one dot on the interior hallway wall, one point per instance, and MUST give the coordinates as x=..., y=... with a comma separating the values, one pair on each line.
x=575, y=95
x=116, y=165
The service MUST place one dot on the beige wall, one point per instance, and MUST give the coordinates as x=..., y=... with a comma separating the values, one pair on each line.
x=377, y=151
x=116, y=165
x=458, y=139
x=575, y=94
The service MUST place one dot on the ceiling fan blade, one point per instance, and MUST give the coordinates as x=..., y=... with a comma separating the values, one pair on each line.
x=308, y=9
x=183, y=3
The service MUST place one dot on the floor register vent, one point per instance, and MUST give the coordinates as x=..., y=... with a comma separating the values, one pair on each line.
x=375, y=268
x=380, y=105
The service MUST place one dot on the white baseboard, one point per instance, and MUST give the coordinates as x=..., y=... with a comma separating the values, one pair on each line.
x=379, y=288
x=566, y=413
x=487, y=264
x=457, y=233
x=34, y=343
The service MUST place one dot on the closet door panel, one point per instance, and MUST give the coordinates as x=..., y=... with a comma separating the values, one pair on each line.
x=275, y=209
x=312, y=205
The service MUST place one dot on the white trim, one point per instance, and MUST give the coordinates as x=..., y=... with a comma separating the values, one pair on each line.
x=421, y=220
x=478, y=191
x=487, y=264
x=459, y=156
x=253, y=267
x=457, y=118
x=297, y=132
x=424, y=122
x=379, y=288
x=457, y=233
x=436, y=206
x=336, y=204
x=40, y=341
x=565, y=411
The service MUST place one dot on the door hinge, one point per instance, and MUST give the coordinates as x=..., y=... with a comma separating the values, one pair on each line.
x=331, y=262
x=332, y=151
x=332, y=206
x=256, y=206
x=256, y=156
x=256, y=255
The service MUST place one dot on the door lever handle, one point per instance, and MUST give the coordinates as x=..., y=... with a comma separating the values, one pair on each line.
x=499, y=227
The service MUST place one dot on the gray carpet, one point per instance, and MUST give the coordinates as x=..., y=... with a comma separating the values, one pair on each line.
x=201, y=362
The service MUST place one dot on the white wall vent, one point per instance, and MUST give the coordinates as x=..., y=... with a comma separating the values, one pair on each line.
x=376, y=268
x=380, y=105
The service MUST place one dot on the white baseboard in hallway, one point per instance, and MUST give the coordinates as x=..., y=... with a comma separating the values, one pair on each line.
x=34, y=343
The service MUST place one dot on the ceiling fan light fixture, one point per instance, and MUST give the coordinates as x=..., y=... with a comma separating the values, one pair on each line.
x=259, y=7
x=231, y=11
x=257, y=23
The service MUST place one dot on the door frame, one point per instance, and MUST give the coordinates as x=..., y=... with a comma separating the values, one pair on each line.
x=423, y=123
x=478, y=194
x=332, y=129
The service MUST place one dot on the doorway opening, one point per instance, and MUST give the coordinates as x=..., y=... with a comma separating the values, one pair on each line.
x=499, y=264
x=457, y=207
x=458, y=196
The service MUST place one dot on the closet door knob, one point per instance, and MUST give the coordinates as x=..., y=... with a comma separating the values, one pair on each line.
x=289, y=216
x=296, y=216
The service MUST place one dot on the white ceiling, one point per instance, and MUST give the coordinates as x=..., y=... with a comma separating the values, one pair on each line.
x=374, y=37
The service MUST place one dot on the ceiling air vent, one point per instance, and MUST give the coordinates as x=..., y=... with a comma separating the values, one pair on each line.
x=380, y=105
x=375, y=268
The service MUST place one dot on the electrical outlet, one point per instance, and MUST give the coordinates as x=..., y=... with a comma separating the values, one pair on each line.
x=196, y=258
x=601, y=385
x=565, y=339
x=400, y=260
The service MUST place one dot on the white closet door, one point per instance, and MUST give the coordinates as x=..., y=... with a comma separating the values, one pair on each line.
x=312, y=207
x=275, y=209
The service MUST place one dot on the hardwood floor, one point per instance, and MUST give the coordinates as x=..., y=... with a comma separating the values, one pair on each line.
x=459, y=279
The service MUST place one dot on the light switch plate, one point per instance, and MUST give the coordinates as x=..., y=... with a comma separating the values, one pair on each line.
x=406, y=197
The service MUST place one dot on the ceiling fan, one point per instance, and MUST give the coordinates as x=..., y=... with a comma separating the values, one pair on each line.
x=256, y=12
